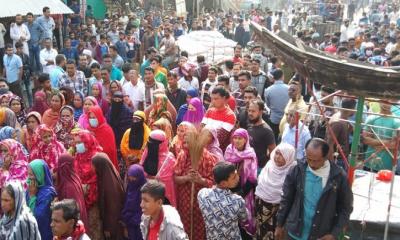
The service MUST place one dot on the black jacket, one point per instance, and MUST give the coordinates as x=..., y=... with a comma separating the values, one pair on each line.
x=333, y=209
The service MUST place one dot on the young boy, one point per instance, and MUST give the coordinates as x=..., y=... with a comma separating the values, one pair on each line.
x=159, y=222
x=222, y=210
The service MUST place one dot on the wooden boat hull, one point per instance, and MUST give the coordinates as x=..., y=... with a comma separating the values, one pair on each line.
x=357, y=78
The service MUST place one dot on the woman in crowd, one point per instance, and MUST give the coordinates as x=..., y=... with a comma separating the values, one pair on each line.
x=84, y=118
x=65, y=127
x=47, y=147
x=40, y=104
x=33, y=120
x=52, y=115
x=120, y=117
x=178, y=140
x=40, y=195
x=114, y=87
x=97, y=92
x=86, y=146
x=195, y=112
x=210, y=133
x=18, y=107
x=78, y=105
x=111, y=196
x=103, y=133
x=17, y=221
x=158, y=162
x=240, y=153
x=69, y=185
x=193, y=170
x=159, y=106
x=68, y=94
x=132, y=212
x=269, y=189
x=9, y=133
x=15, y=162
x=191, y=93
x=164, y=125
x=135, y=139
x=8, y=118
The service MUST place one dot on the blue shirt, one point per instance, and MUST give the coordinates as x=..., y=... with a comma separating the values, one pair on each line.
x=55, y=76
x=47, y=25
x=277, y=97
x=289, y=136
x=71, y=53
x=122, y=48
x=36, y=33
x=116, y=74
x=12, y=65
x=312, y=193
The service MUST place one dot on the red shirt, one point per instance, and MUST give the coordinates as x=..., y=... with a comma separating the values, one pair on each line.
x=155, y=229
x=237, y=60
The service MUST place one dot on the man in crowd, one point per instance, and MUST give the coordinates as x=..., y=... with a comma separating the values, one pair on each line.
x=135, y=90
x=65, y=222
x=222, y=210
x=57, y=73
x=305, y=214
x=115, y=73
x=175, y=94
x=74, y=78
x=19, y=32
x=46, y=22
x=220, y=116
x=83, y=65
x=244, y=80
x=159, y=221
x=69, y=51
x=151, y=85
x=13, y=70
x=208, y=85
x=117, y=60
x=48, y=56
x=259, y=79
x=276, y=96
x=36, y=32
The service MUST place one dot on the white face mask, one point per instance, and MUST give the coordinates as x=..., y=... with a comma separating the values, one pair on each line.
x=368, y=52
x=256, y=55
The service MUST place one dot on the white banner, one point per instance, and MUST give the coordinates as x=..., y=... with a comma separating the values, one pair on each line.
x=180, y=8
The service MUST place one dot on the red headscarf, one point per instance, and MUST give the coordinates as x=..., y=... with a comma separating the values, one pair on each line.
x=69, y=184
x=83, y=165
x=105, y=135
x=49, y=152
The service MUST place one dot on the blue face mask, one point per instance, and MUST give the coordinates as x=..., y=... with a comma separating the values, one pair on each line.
x=80, y=148
x=93, y=122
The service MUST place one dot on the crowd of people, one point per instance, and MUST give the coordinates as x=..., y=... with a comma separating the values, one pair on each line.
x=116, y=134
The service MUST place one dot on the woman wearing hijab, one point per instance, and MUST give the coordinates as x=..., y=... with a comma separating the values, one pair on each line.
x=86, y=146
x=132, y=212
x=17, y=221
x=191, y=93
x=97, y=92
x=10, y=119
x=210, y=133
x=135, y=139
x=193, y=171
x=39, y=196
x=177, y=141
x=164, y=125
x=9, y=133
x=158, y=162
x=15, y=162
x=33, y=120
x=244, y=157
x=17, y=106
x=52, y=115
x=66, y=126
x=159, y=106
x=68, y=94
x=47, y=147
x=69, y=185
x=87, y=104
x=103, y=133
x=269, y=189
x=77, y=105
x=111, y=196
x=40, y=102
x=120, y=117
x=195, y=112
x=114, y=87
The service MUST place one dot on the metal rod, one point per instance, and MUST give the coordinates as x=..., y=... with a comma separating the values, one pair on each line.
x=394, y=166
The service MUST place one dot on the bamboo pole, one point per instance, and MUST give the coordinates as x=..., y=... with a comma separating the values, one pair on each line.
x=356, y=139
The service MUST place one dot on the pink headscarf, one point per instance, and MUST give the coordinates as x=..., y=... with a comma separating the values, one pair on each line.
x=247, y=160
x=84, y=118
x=100, y=100
x=196, y=116
x=166, y=163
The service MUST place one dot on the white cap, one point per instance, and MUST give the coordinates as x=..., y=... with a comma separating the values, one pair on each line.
x=87, y=52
